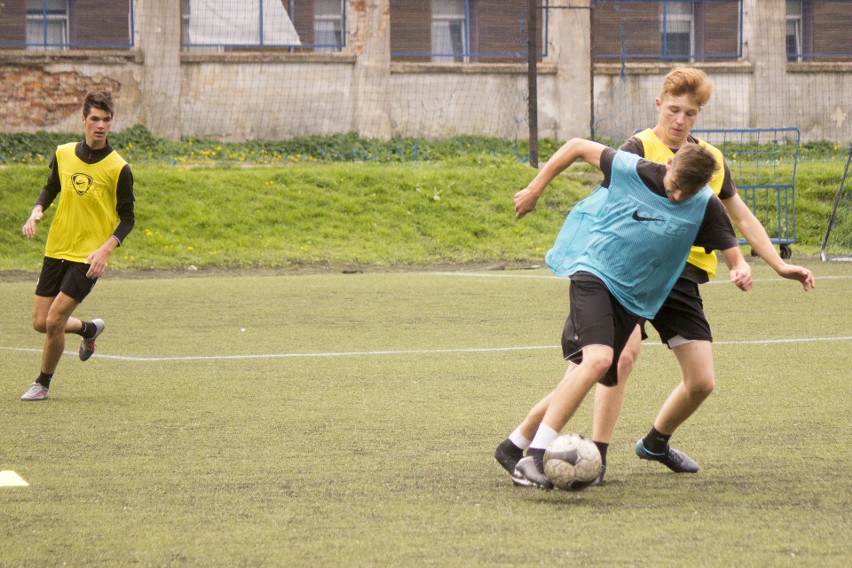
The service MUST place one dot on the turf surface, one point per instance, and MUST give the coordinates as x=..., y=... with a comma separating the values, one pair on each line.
x=335, y=419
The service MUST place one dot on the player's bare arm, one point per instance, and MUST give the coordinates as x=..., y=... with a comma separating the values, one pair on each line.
x=738, y=267
x=570, y=152
x=754, y=232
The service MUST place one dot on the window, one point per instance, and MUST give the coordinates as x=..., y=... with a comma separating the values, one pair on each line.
x=465, y=31
x=281, y=25
x=794, y=30
x=818, y=30
x=449, y=35
x=184, y=22
x=328, y=25
x=667, y=30
x=677, y=31
x=47, y=24
x=244, y=24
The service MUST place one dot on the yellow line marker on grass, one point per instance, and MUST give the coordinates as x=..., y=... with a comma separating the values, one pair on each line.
x=11, y=479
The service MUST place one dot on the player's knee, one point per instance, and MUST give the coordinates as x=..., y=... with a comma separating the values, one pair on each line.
x=40, y=324
x=53, y=324
x=702, y=385
x=625, y=365
x=599, y=363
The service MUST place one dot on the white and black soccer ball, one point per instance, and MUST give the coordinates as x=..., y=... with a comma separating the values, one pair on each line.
x=572, y=462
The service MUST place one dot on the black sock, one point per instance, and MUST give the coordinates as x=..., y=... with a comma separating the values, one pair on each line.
x=602, y=448
x=44, y=379
x=655, y=441
x=87, y=331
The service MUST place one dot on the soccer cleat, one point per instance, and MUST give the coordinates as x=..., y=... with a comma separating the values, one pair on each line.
x=531, y=471
x=508, y=455
x=674, y=460
x=87, y=346
x=599, y=480
x=36, y=391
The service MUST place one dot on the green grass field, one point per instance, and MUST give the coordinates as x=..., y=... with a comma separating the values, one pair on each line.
x=350, y=420
x=318, y=215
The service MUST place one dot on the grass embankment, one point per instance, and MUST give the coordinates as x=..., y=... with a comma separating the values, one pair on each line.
x=314, y=214
x=410, y=203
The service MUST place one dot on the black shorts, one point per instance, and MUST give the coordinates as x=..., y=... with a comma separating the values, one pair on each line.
x=683, y=314
x=64, y=276
x=596, y=318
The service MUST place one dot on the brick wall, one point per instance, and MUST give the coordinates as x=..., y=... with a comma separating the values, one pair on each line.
x=33, y=98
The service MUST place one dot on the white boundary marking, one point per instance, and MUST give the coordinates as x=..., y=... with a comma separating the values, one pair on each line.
x=403, y=351
x=565, y=278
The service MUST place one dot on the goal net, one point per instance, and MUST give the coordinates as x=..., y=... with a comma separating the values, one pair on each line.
x=837, y=242
x=763, y=166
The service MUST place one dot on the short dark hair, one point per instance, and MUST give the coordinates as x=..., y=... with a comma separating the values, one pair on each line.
x=100, y=100
x=694, y=166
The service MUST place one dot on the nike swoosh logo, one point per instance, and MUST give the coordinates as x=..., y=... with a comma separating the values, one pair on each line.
x=637, y=217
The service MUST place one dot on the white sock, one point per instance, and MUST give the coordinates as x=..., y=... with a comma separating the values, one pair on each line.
x=543, y=437
x=518, y=439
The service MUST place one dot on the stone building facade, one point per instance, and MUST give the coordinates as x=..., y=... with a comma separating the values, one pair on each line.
x=374, y=86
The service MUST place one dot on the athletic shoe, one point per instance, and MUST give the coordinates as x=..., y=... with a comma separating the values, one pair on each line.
x=531, y=471
x=600, y=478
x=674, y=460
x=87, y=346
x=508, y=455
x=36, y=391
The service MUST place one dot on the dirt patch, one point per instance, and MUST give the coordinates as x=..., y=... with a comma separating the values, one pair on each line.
x=192, y=272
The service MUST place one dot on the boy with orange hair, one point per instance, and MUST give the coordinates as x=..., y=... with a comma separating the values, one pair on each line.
x=681, y=322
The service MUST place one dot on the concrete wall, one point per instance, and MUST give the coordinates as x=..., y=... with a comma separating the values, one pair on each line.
x=236, y=96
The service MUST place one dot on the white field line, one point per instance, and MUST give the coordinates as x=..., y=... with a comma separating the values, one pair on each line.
x=553, y=277
x=403, y=351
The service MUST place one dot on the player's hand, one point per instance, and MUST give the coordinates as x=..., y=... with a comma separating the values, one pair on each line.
x=800, y=273
x=741, y=277
x=525, y=201
x=29, y=229
x=97, y=262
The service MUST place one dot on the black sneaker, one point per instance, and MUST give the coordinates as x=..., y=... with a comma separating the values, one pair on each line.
x=508, y=455
x=531, y=470
x=599, y=480
x=674, y=460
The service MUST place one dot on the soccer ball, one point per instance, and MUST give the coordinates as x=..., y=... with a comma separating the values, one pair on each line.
x=572, y=462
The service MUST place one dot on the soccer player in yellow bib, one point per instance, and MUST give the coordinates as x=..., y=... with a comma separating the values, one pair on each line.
x=94, y=215
x=681, y=322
